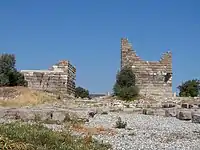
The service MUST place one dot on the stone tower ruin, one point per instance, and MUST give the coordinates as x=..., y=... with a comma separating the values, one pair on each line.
x=152, y=77
x=60, y=78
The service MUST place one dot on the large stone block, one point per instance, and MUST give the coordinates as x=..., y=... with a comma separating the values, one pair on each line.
x=40, y=115
x=170, y=112
x=196, y=118
x=156, y=112
x=184, y=115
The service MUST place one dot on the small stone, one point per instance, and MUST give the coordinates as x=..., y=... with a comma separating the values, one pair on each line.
x=92, y=114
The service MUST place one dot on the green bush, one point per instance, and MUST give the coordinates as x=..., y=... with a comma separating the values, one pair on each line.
x=9, y=76
x=125, y=87
x=190, y=88
x=120, y=124
x=128, y=93
x=81, y=92
x=41, y=138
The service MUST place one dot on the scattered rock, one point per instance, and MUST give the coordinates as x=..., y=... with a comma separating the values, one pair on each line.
x=92, y=114
x=118, y=104
x=139, y=110
x=104, y=113
x=159, y=112
x=58, y=115
x=144, y=111
x=115, y=109
x=168, y=105
x=156, y=112
x=132, y=134
x=196, y=118
x=149, y=132
x=186, y=105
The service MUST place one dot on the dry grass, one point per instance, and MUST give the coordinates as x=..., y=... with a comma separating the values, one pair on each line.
x=19, y=136
x=93, y=130
x=7, y=144
x=22, y=96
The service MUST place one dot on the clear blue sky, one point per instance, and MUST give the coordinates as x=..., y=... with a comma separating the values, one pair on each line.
x=88, y=32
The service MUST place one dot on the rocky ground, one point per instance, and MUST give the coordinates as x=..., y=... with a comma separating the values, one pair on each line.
x=149, y=132
x=144, y=132
x=155, y=130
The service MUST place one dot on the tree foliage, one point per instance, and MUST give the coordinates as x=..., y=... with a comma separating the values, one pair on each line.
x=81, y=92
x=190, y=88
x=125, y=87
x=9, y=76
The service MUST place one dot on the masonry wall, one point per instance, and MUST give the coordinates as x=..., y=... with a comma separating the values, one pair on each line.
x=59, y=78
x=152, y=77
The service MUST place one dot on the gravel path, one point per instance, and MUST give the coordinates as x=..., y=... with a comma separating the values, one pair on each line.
x=149, y=132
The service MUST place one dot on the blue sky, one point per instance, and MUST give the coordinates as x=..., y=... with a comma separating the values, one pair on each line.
x=88, y=33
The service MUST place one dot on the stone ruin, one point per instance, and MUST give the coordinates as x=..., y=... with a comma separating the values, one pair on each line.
x=152, y=77
x=59, y=78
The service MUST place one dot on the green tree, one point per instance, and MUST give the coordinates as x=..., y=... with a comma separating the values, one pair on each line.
x=190, y=88
x=125, y=87
x=9, y=76
x=81, y=92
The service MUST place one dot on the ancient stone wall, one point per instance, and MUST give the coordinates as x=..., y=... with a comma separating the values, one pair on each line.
x=59, y=78
x=152, y=77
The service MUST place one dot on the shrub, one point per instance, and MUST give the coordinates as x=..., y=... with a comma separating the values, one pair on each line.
x=81, y=92
x=38, y=137
x=125, y=87
x=9, y=76
x=126, y=77
x=127, y=93
x=120, y=124
x=189, y=88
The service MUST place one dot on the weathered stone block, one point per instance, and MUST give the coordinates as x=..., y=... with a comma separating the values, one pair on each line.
x=168, y=105
x=159, y=112
x=170, y=112
x=196, y=118
x=184, y=115
x=59, y=116
x=148, y=112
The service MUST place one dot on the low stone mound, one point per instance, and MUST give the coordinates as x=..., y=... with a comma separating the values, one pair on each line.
x=180, y=113
x=52, y=116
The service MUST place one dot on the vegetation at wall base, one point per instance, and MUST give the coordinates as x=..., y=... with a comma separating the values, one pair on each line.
x=81, y=92
x=125, y=87
x=190, y=88
x=31, y=137
x=9, y=76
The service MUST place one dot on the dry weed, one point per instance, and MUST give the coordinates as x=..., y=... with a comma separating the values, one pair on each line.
x=7, y=144
x=25, y=97
x=92, y=130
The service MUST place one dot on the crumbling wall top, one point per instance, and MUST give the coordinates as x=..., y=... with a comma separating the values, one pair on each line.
x=152, y=77
x=127, y=48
